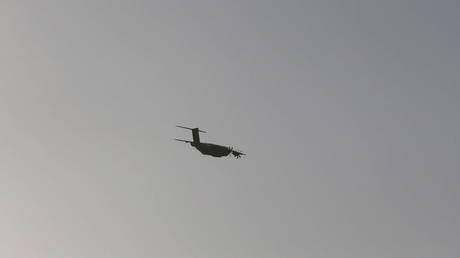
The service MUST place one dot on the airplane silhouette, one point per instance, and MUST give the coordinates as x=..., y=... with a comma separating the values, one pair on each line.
x=210, y=149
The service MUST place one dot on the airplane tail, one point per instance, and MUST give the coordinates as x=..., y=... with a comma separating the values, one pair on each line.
x=195, y=133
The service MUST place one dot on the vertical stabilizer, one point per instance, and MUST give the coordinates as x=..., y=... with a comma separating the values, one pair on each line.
x=196, y=135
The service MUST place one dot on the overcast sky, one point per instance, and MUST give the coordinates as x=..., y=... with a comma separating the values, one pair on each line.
x=348, y=112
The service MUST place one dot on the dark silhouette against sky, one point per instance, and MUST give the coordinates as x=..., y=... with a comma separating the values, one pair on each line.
x=348, y=111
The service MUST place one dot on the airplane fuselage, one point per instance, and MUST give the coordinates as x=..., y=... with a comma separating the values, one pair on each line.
x=211, y=149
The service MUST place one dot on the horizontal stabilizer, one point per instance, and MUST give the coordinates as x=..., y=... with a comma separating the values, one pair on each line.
x=183, y=140
x=190, y=128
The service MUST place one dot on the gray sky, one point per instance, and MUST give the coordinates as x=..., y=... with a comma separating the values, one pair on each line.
x=348, y=111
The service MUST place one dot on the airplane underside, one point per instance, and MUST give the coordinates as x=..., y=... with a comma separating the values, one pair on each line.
x=215, y=151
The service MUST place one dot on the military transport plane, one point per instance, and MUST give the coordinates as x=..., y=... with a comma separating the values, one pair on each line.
x=209, y=148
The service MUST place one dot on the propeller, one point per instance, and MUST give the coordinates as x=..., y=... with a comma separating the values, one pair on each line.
x=236, y=153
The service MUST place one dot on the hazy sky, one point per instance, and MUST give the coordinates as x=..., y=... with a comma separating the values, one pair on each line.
x=348, y=112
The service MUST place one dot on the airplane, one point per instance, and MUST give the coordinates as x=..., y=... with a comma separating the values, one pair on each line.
x=209, y=148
